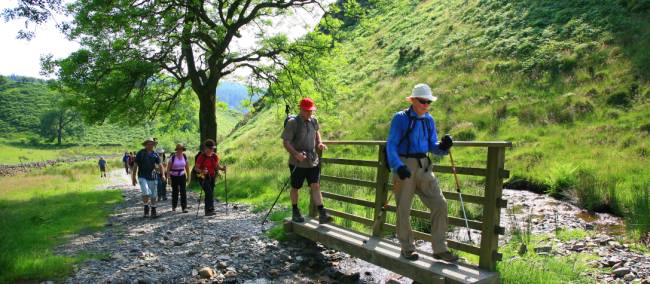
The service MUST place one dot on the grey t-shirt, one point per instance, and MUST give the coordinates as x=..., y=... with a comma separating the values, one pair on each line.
x=301, y=134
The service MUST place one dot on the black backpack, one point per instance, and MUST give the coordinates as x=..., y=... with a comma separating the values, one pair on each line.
x=406, y=136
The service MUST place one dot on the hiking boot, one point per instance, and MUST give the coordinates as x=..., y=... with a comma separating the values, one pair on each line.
x=184, y=211
x=146, y=211
x=153, y=212
x=209, y=213
x=324, y=218
x=409, y=255
x=173, y=209
x=296, y=217
x=446, y=256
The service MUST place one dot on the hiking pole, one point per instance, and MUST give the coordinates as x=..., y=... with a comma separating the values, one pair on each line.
x=277, y=198
x=460, y=196
x=225, y=181
x=200, y=195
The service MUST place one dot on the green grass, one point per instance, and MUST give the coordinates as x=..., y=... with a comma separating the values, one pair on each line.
x=533, y=268
x=39, y=209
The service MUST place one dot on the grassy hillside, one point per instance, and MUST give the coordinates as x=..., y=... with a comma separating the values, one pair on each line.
x=565, y=81
x=24, y=100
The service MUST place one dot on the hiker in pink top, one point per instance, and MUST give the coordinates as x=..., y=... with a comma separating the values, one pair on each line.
x=178, y=169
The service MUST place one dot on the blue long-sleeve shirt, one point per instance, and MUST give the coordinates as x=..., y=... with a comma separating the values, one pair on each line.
x=422, y=138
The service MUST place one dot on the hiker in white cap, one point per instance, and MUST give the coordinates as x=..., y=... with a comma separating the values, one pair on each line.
x=413, y=135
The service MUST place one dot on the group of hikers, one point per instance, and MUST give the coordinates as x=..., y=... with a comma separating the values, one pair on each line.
x=412, y=136
x=153, y=171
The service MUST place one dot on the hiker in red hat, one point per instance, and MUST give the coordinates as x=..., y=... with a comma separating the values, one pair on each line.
x=301, y=138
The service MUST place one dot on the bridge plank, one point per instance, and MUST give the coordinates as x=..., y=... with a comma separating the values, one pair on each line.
x=386, y=254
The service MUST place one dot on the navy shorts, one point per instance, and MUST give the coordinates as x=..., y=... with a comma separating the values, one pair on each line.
x=298, y=176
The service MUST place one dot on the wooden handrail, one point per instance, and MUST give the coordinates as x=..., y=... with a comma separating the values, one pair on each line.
x=363, y=163
x=498, y=144
x=491, y=202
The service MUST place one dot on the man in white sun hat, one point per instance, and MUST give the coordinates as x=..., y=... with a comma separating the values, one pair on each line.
x=413, y=135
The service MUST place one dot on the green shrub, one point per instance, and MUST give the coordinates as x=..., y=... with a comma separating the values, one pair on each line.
x=530, y=115
x=620, y=99
x=561, y=180
x=464, y=131
x=526, y=183
x=560, y=113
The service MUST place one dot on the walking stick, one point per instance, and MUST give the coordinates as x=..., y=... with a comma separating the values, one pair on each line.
x=277, y=198
x=200, y=195
x=225, y=181
x=460, y=196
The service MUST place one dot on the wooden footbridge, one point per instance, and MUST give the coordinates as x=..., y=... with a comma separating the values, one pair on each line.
x=376, y=249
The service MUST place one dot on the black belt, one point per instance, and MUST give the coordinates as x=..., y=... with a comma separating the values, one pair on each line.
x=418, y=156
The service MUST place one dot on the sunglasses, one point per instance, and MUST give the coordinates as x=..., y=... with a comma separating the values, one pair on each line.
x=424, y=102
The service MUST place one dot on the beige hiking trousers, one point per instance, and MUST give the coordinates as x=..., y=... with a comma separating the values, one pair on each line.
x=423, y=183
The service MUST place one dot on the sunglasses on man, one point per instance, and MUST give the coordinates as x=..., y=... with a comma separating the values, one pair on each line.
x=424, y=101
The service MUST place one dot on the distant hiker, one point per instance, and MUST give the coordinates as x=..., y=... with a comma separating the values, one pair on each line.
x=177, y=171
x=147, y=162
x=412, y=136
x=131, y=161
x=206, y=167
x=125, y=161
x=162, y=183
x=102, y=167
x=301, y=137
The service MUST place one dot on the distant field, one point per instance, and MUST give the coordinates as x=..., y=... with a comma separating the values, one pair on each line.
x=10, y=154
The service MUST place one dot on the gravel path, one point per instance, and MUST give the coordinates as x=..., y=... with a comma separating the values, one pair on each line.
x=231, y=248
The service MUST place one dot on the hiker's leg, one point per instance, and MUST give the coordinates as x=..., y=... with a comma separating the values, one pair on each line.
x=313, y=179
x=182, y=183
x=430, y=194
x=175, y=190
x=209, y=194
x=144, y=189
x=297, y=180
x=153, y=184
x=404, y=199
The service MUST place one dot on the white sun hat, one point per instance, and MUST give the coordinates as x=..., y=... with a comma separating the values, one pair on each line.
x=423, y=91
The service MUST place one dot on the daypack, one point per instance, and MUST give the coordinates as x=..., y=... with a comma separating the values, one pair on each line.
x=172, y=161
x=299, y=130
x=412, y=121
x=214, y=160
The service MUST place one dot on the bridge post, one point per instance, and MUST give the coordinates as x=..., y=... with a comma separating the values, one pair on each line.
x=491, y=211
x=381, y=191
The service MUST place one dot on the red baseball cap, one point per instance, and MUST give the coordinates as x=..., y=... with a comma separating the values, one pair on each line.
x=307, y=104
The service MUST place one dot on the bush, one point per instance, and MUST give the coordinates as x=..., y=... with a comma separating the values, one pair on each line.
x=562, y=114
x=463, y=131
x=561, y=180
x=530, y=115
x=526, y=183
x=620, y=99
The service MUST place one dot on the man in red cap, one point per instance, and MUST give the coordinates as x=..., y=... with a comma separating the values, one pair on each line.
x=301, y=137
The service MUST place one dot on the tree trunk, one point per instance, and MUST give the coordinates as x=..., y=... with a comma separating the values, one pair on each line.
x=59, y=130
x=207, y=114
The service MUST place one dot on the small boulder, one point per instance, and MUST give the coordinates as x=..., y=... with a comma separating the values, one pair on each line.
x=621, y=271
x=206, y=272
